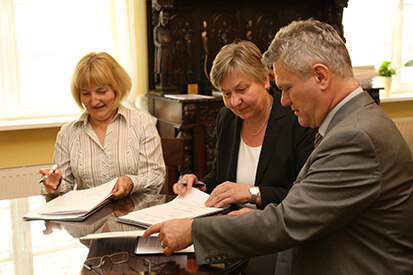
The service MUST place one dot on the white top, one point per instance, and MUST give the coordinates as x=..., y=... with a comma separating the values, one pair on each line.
x=132, y=148
x=247, y=163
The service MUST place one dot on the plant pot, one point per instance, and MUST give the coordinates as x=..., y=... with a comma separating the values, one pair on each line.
x=386, y=84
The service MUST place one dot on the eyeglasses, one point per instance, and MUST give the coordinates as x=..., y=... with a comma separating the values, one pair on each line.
x=96, y=264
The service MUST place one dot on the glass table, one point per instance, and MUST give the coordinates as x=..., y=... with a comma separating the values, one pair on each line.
x=48, y=247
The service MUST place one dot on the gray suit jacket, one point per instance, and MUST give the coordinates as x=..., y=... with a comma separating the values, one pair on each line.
x=350, y=210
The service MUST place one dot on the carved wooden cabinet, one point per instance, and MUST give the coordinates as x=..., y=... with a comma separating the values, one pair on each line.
x=192, y=120
x=194, y=32
x=200, y=28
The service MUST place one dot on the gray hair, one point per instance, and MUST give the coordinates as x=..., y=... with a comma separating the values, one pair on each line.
x=301, y=44
x=242, y=57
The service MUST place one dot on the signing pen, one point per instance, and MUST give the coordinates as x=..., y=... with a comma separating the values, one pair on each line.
x=194, y=184
x=51, y=171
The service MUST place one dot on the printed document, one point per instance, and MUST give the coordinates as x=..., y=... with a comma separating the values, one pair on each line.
x=187, y=206
x=150, y=245
x=75, y=204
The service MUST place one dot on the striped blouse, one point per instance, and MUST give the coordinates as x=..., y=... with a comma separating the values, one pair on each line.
x=132, y=148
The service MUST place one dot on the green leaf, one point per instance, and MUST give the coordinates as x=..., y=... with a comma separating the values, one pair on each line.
x=386, y=70
x=409, y=63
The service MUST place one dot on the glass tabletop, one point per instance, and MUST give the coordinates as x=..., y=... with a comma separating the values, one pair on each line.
x=49, y=247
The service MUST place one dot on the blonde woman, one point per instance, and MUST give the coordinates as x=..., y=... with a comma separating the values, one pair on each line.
x=108, y=140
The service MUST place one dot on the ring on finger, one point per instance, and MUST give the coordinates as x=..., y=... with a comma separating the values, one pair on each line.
x=163, y=244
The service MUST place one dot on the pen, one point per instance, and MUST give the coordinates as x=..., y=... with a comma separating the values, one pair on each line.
x=51, y=171
x=195, y=184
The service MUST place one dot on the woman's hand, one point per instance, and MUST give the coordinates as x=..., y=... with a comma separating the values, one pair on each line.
x=122, y=188
x=186, y=183
x=228, y=192
x=52, y=181
x=241, y=211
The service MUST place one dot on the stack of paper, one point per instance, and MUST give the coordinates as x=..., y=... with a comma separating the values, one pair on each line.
x=75, y=205
x=187, y=206
x=364, y=75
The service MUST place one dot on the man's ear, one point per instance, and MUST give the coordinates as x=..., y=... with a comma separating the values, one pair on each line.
x=322, y=75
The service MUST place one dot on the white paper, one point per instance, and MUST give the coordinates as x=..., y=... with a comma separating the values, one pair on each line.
x=117, y=234
x=150, y=245
x=188, y=96
x=78, y=202
x=187, y=206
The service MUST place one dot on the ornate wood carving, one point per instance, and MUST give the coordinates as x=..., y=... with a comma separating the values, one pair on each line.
x=201, y=28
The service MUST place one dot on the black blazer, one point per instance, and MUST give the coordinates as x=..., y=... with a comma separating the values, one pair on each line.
x=285, y=149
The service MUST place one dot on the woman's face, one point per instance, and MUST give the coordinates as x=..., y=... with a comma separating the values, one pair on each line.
x=99, y=101
x=244, y=96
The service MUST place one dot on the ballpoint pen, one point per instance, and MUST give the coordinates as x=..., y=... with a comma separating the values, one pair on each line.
x=51, y=171
x=194, y=184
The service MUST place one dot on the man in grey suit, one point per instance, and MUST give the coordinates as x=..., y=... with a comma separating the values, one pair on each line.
x=350, y=210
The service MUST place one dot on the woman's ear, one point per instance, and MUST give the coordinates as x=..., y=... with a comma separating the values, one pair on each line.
x=267, y=82
x=322, y=75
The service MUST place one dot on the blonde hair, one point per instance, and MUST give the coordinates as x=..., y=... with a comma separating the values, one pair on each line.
x=100, y=68
x=242, y=57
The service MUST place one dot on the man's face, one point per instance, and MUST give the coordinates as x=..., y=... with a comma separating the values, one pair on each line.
x=302, y=95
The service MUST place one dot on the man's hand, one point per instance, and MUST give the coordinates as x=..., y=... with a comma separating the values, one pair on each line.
x=173, y=234
x=227, y=193
x=122, y=187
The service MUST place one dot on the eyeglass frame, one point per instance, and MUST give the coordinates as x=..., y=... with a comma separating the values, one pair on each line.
x=92, y=268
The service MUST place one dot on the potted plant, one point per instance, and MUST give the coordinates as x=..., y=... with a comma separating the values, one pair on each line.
x=385, y=73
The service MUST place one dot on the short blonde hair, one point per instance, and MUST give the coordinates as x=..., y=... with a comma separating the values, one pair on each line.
x=242, y=57
x=100, y=68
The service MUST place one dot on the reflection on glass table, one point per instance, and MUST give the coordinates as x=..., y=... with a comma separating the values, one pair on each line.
x=50, y=247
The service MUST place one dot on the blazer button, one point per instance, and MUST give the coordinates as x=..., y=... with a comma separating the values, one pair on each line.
x=208, y=260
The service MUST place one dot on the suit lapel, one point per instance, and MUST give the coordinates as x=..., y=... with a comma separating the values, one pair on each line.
x=235, y=141
x=271, y=136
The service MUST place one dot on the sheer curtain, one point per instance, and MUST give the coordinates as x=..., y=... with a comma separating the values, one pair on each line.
x=42, y=40
x=129, y=29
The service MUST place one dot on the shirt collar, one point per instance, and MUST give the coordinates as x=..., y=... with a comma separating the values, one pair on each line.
x=326, y=122
x=84, y=117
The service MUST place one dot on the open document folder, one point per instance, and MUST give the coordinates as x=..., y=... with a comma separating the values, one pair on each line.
x=187, y=206
x=150, y=245
x=75, y=205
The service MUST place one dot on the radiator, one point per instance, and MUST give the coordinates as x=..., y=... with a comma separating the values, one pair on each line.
x=20, y=181
x=405, y=126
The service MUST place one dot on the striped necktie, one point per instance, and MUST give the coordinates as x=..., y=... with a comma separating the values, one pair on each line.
x=317, y=140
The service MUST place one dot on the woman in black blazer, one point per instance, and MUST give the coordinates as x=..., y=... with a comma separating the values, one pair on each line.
x=260, y=145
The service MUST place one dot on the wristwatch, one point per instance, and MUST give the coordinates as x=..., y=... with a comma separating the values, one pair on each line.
x=254, y=191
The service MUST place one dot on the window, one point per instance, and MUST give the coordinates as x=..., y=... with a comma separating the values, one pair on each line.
x=42, y=40
x=378, y=30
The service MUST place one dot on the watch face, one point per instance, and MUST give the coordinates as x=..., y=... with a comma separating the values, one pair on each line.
x=254, y=190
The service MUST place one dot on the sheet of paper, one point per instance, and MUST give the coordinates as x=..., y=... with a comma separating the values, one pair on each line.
x=188, y=96
x=117, y=234
x=187, y=206
x=78, y=202
x=152, y=245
